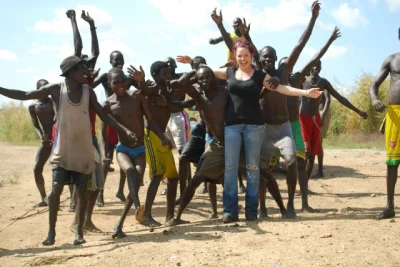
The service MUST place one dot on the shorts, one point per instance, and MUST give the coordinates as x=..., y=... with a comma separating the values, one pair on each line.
x=97, y=176
x=392, y=135
x=112, y=136
x=278, y=138
x=160, y=159
x=131, y=152
x=311, y=129
x=195, y=146
x=298, y=141
x=179, y=126
x=63, y=177
x=327, y=121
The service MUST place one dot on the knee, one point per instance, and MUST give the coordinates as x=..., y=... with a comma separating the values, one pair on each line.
x=301, y=164
x=172, y=181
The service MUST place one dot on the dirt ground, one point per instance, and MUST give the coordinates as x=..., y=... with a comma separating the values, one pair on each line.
x=342, y=234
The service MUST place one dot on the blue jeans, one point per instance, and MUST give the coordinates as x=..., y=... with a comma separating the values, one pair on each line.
x=253, y=136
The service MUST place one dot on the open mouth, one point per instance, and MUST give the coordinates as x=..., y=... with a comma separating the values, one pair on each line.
x=119, y=66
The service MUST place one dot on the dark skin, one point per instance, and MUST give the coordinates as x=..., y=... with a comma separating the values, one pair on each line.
x=211, y=103
x=42, y=113
x=75, y=78
x=160, y=116
x=311, y=106
x=236, y=28
x=275, y=107
x=391, y=66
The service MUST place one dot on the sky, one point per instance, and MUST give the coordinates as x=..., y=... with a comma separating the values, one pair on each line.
x=36, y=38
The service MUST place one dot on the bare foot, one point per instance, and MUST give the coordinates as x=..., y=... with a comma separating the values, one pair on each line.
x=290, y=212
x=121, y=196
x=385, y=214
x=90, y=227
x=50, y=240
x=41, y=204
x=79, y=240
x=318, y=175
x=308, y=209
x=175, y=221
x=71, y=13
x=263, y=214
x=118, y=233
x=146, y=220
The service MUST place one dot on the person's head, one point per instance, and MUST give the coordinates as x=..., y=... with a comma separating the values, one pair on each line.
x=316, y=69
x=160, y=72
x=40, y=83
x=117, y=81
x=243, y=52
x=171, y=65
x=198, y=61
x=74, y=69
x=90, y=62
x=205, y=78
x=117, y=59
x=268, y=57
x=236, y=25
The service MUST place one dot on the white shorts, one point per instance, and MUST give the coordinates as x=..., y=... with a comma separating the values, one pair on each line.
x=179, y=126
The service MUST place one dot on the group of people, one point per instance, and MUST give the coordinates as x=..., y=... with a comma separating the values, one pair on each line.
x=251, y=115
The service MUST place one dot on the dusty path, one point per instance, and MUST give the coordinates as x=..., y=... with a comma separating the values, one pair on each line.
x=343, y=234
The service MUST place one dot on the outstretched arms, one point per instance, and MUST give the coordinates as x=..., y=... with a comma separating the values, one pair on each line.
x=270, y=84
x=216, y=40
x=43, y=92
x=373, y=91
x=95, y=42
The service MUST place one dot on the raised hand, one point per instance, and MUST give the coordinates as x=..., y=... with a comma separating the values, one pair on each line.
x=315, y=8
x=86, y=17
x=184, y=59
x=217, y=19
x=243, y=28
x=336, y=34
x=70, y=14
x=378, y=105
x=314, y=93
x=211, y=41
x=137, y=75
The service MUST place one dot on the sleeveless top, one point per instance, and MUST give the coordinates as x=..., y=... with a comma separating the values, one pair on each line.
x=72, y=145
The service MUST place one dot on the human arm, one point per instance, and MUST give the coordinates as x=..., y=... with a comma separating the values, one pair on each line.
x=373, y=91
x=104, y=137
x=220, y=73
x=294, y=55
x=35, y=122
x=95, y=42
x=106, y=118
x=307, y=68
x=244, y=30
x=343, y=100
x=218, y=20
x=99, y=80
x=216, y=40
x=148, y=89
x=43, y=92
x=75, y=32
x=290, y=91
x=327, y=96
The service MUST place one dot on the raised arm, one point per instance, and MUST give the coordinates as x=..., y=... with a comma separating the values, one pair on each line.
x=216, y=40
x=95, y=42
x=35, y=121
x=245, y=30
x=292, y=59
x=220, y=73
x=43, y=92
x=343, y=100
x=218, y=20
x=148, y=89
x=373, y=91
x=75, y=31
x=307, y=68
x=100, y=80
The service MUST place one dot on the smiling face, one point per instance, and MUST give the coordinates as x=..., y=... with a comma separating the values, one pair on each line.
x=267, y=58
x=117, y=83
x=205, y=78
x=78, y=73
x=316, y=69
x=243, y=57
x=164, y=75
x=117, y=60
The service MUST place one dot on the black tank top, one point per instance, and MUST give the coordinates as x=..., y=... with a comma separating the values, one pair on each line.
x=243, y=104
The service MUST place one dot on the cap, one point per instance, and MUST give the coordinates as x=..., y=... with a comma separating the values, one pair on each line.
x=69, y=63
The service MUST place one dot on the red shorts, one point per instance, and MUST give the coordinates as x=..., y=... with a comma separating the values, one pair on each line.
x=112, y=136
x=311, y=130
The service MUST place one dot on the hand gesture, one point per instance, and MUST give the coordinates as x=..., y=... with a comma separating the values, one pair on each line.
x=184, y=59
x=313, y=93
x=70, y=14
x=273, y=83
x=46, y=141
x=217, y=19
x=86, y=17
x=315, y=9
x=166, y=142
x=244, y=29
x=378, y=105
x=363, y=115
x=336, y=34
x=137, y=75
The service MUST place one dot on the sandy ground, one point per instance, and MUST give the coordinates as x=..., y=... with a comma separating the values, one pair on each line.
x=343, y=234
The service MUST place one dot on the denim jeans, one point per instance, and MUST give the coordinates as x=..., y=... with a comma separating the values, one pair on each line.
x=252, y=136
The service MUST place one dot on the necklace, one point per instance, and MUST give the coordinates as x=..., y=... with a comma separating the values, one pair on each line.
x=314, y=85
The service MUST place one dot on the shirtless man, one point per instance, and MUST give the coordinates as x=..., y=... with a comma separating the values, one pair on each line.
x=158, y=149
x=72, y=158
x=296, y=80
x=42, y=111
x=310, y=118
x=392, y=125
x=128, y=108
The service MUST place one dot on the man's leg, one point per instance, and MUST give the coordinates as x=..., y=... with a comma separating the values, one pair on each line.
x=42, y=156
x=81, y=193
x=391, y=179
x=134, y=173
x=120, y=193
x=303, y=182
x=172, y=186
x=110, y=157
x=268, y=181
x=212, y=194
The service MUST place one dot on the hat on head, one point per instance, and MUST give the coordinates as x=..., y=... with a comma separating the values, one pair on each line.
x=69, y=63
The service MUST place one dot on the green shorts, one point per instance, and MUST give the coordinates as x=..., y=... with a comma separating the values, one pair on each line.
x=298, y=140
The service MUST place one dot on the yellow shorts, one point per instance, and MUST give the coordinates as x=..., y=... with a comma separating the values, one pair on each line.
x=392, y=135
x=159, y=158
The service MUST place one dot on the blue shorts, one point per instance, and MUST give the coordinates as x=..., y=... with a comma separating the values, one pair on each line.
x=132, y=152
